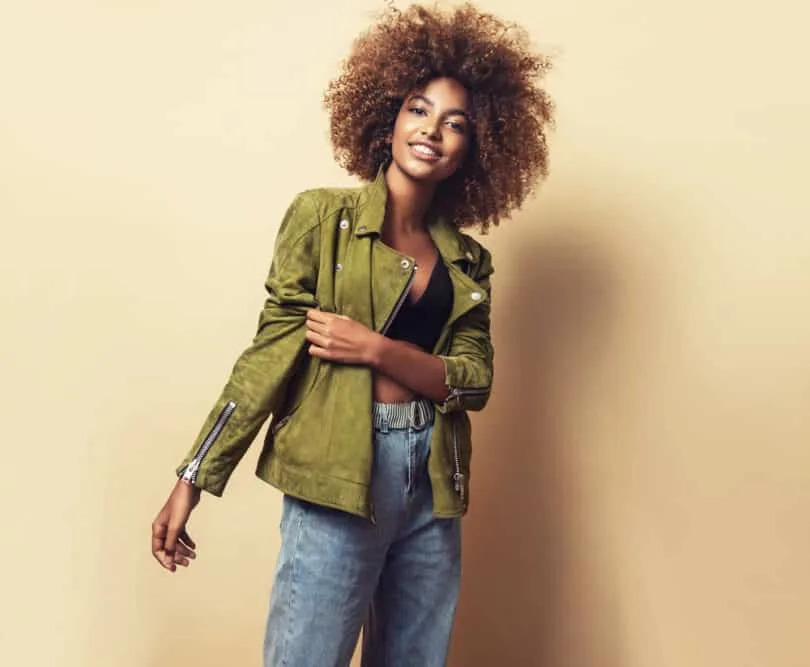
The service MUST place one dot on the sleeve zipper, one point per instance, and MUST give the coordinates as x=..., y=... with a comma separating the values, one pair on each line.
x=456, y=392
x=190, y=473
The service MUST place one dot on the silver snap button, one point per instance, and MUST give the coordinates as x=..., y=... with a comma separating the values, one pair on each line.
x=469, y=256
x=344, y=224
x=475, y=296
x=405, y=264
x=339, y=267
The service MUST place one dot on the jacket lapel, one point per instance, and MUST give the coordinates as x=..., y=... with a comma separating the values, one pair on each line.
x=467, y=294
x=385, y=271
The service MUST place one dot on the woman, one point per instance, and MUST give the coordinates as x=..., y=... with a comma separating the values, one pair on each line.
x=374, y=342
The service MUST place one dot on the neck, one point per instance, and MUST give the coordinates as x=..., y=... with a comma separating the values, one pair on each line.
x=408, y=201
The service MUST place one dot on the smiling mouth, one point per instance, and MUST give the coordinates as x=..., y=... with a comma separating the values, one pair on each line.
x=425, y=150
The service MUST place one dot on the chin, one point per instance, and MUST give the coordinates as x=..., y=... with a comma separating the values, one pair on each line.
x=422, y=172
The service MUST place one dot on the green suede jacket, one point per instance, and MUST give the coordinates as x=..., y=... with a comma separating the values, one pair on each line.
x=319, y=446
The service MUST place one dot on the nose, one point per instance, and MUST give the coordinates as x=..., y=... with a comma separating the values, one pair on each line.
x=430, y=129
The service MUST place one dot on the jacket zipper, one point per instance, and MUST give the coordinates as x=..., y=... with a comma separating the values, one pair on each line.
x=383, y=331
x=400, y=301
x=457, y=392
x=458, y=476
x=190, y=473
x=281, y=422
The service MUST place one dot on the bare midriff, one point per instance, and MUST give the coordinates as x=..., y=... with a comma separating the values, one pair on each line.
x=387, y=390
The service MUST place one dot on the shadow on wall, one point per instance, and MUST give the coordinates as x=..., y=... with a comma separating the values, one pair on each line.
x=527, y=598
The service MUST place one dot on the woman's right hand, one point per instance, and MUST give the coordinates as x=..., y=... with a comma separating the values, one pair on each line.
x=171, y=544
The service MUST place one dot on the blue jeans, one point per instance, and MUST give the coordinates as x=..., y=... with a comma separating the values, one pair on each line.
x=400, y=577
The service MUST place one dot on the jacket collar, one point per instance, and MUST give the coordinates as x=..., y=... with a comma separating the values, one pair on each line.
x=371, y=214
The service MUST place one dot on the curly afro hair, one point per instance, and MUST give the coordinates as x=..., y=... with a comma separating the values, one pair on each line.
x=492, y=59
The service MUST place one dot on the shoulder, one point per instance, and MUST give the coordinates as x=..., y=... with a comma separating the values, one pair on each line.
x=309, y=209
x=328, y=201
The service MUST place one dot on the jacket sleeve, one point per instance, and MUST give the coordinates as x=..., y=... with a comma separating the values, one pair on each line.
x=468, y=363
x=260, y=374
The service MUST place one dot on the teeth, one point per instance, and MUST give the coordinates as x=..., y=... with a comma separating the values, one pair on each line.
x=425, y=150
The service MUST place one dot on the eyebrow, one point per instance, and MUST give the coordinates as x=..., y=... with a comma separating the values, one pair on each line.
x=449, y=112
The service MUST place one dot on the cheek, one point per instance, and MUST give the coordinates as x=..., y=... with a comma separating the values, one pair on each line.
x=459, y=147
x=403, y=126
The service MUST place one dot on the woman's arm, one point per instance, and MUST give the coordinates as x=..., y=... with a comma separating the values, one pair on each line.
x=260, y=374
x=408, y=365
x=458, y=380
x=340, y=339
x=257, y=379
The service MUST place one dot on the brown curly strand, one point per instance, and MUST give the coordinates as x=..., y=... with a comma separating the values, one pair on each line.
x=492, y=59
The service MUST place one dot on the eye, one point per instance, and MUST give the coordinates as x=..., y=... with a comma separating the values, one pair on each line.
x=419, y=111
x=457, y=126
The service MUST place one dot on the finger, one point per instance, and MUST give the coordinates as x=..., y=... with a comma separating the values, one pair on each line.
x=319, y=352
x=319, y=340
x=159, y=531
x=318, y=315
x=166, y=562
x=318, y=327
x=184, y=551
x=160, y=557
x=181, y=560
x=158, y=536
x=186, y=538
x=171, y=538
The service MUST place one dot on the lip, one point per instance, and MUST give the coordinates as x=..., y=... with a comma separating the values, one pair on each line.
x=437, y=154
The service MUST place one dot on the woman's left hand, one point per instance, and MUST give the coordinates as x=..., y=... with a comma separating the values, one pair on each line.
x=340, y=338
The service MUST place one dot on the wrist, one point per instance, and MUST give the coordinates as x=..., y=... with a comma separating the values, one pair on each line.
x=187, y=485
x=376, y=350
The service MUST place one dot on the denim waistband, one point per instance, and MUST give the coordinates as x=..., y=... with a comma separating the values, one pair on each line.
x=413, y=414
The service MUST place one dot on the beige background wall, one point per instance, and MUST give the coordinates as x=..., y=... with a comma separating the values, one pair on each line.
x=641, y=494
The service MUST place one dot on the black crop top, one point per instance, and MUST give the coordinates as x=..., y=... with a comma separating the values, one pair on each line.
x=421, y=322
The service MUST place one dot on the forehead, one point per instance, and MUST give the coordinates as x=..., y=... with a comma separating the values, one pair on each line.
x=445, y=92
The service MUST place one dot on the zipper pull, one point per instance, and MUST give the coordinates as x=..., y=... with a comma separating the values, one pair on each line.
x=372, y=516
x=190, y=473
x=277, y=427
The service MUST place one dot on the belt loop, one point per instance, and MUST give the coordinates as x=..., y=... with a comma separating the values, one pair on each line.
x=419, y=416
x=381, y=418
x=414, y=416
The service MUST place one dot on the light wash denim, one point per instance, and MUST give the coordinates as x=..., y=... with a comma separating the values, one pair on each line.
x=399, y=578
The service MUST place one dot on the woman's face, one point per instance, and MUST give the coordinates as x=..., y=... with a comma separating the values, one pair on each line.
x=432, y=131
